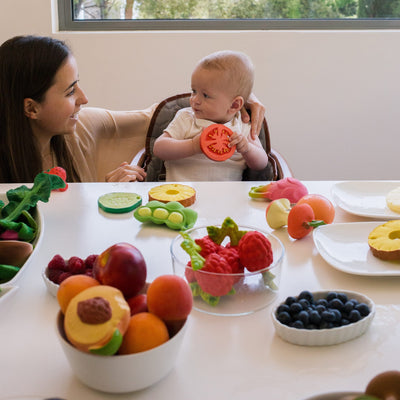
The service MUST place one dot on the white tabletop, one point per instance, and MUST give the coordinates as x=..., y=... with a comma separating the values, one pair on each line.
x=221, y=357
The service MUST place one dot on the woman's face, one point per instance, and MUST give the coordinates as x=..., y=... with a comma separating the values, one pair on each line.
x=57, y=114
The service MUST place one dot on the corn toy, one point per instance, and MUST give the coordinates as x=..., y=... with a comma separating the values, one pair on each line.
x=289, y=188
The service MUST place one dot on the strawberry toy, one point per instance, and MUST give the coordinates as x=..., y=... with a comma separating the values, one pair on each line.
x=59, y=171
x=255, y=251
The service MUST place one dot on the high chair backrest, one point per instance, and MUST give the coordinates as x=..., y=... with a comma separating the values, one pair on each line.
x=163, y=115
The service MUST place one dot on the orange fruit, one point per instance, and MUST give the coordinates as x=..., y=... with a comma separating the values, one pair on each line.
x=145, y=331
x=71, y=286
x=323, y=208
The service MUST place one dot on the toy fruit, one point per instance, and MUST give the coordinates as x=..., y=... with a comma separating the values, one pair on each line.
x=323, y=208
x=384, y=241
x=288, y=188
x=170, y=298
x=301, y=221
x=122, y=266
x=96, y=320
x=393, y=200
x=277, y=213
x=59, y=171
x=119, y=202
x=255, y=251
x=214, y=142
x=138, y=303
x=385, y=386
x=183, y=194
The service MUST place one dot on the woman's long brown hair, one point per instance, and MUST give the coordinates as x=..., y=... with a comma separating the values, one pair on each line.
x=28, y=65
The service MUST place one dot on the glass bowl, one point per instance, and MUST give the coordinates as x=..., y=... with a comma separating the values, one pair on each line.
x=251, y=291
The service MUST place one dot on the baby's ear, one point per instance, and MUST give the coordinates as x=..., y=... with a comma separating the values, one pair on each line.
x=237, y=103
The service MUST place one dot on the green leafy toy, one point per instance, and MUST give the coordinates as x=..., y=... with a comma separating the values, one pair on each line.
x=16, y=215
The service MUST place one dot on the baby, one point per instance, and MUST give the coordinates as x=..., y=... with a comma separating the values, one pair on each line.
x=221, y=84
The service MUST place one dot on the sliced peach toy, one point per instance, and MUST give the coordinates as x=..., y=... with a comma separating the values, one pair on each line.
x=96, y=319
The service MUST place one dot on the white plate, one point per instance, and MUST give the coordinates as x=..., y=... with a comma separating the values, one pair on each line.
x=345, y=247
x=335, y=396
x=36, y=243
x=365, y=198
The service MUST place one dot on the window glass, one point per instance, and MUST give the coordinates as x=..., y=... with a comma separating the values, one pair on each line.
x=222, y=14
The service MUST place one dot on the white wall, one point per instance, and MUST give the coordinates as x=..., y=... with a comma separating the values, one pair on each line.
x=331, y=96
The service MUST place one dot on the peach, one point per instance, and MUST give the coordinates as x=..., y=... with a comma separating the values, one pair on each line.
x=170, y=298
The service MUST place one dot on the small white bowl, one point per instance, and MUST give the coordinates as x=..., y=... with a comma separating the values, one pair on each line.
x=122, y=373
x=51, y=286
x=326, y=337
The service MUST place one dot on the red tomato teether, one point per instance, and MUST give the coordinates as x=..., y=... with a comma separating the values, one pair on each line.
x=214, y=142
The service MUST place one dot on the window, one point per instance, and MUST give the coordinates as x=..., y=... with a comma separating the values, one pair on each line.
x=227, y=14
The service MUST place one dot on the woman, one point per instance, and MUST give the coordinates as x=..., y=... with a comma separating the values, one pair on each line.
x=42, y=124
x=40, y=100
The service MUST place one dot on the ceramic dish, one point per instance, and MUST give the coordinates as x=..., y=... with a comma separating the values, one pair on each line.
x=326, y=337
x=335, y=396
x=36, y=244
x=345, y=247
x=365, y=198
x=250, y=291
x=51, y=286
x=122, y=373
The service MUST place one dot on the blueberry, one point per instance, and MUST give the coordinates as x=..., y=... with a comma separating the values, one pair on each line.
x=282, y=308
x=348, y=306
x=295, y=308
x=328, y=316
x=326, y=325
x=338, y=315
x=330, y=296
x=304, y=303
x=363, y=309
x=298, y=324
x=336, y=304
x=354, y=316
x=303, y=317
x=342, y=297
x=320, y=308
x=345, y=321
x=305, y=294
x=284, y=318
x=315, y=318
x=290, y=300
x=322, y=302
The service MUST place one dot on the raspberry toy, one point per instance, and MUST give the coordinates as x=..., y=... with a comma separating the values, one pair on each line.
x=210, y=283
x=207, y=245
x=255, y=251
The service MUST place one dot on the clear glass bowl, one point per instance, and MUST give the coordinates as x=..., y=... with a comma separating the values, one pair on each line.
x=252, y=291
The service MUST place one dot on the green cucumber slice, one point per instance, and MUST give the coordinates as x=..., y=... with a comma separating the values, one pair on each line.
x=119, y=202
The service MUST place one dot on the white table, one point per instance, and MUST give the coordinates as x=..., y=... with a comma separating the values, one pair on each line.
x=221, y=357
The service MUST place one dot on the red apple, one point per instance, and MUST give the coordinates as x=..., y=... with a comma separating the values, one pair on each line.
x=122, y=266
x=138, y=304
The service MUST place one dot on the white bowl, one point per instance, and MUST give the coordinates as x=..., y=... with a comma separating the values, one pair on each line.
x=253, y=291
x=37, y=215
x=326, y=337
x=122, y=373
x=51, y=286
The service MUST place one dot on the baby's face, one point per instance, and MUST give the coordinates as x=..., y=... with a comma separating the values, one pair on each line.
x=211, y=98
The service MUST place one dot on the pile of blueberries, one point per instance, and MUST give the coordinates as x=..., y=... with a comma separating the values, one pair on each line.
x=304, y=312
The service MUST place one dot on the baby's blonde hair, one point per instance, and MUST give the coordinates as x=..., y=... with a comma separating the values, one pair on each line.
x=238, y=68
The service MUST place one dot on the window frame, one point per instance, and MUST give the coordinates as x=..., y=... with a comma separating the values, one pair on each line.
x=66, y=23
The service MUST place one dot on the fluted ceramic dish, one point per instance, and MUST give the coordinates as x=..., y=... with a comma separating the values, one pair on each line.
x=326, y=337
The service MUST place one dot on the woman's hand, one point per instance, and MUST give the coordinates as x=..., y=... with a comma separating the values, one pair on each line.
x=126, y=173
x=257, y=111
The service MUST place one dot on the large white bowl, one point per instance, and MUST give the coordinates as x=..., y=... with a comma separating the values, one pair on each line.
x=122, y=373
x=253, y=291
x=37, y=215
x=325, y=337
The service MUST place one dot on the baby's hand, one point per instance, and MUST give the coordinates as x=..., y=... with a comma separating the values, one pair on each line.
x=242, y=145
